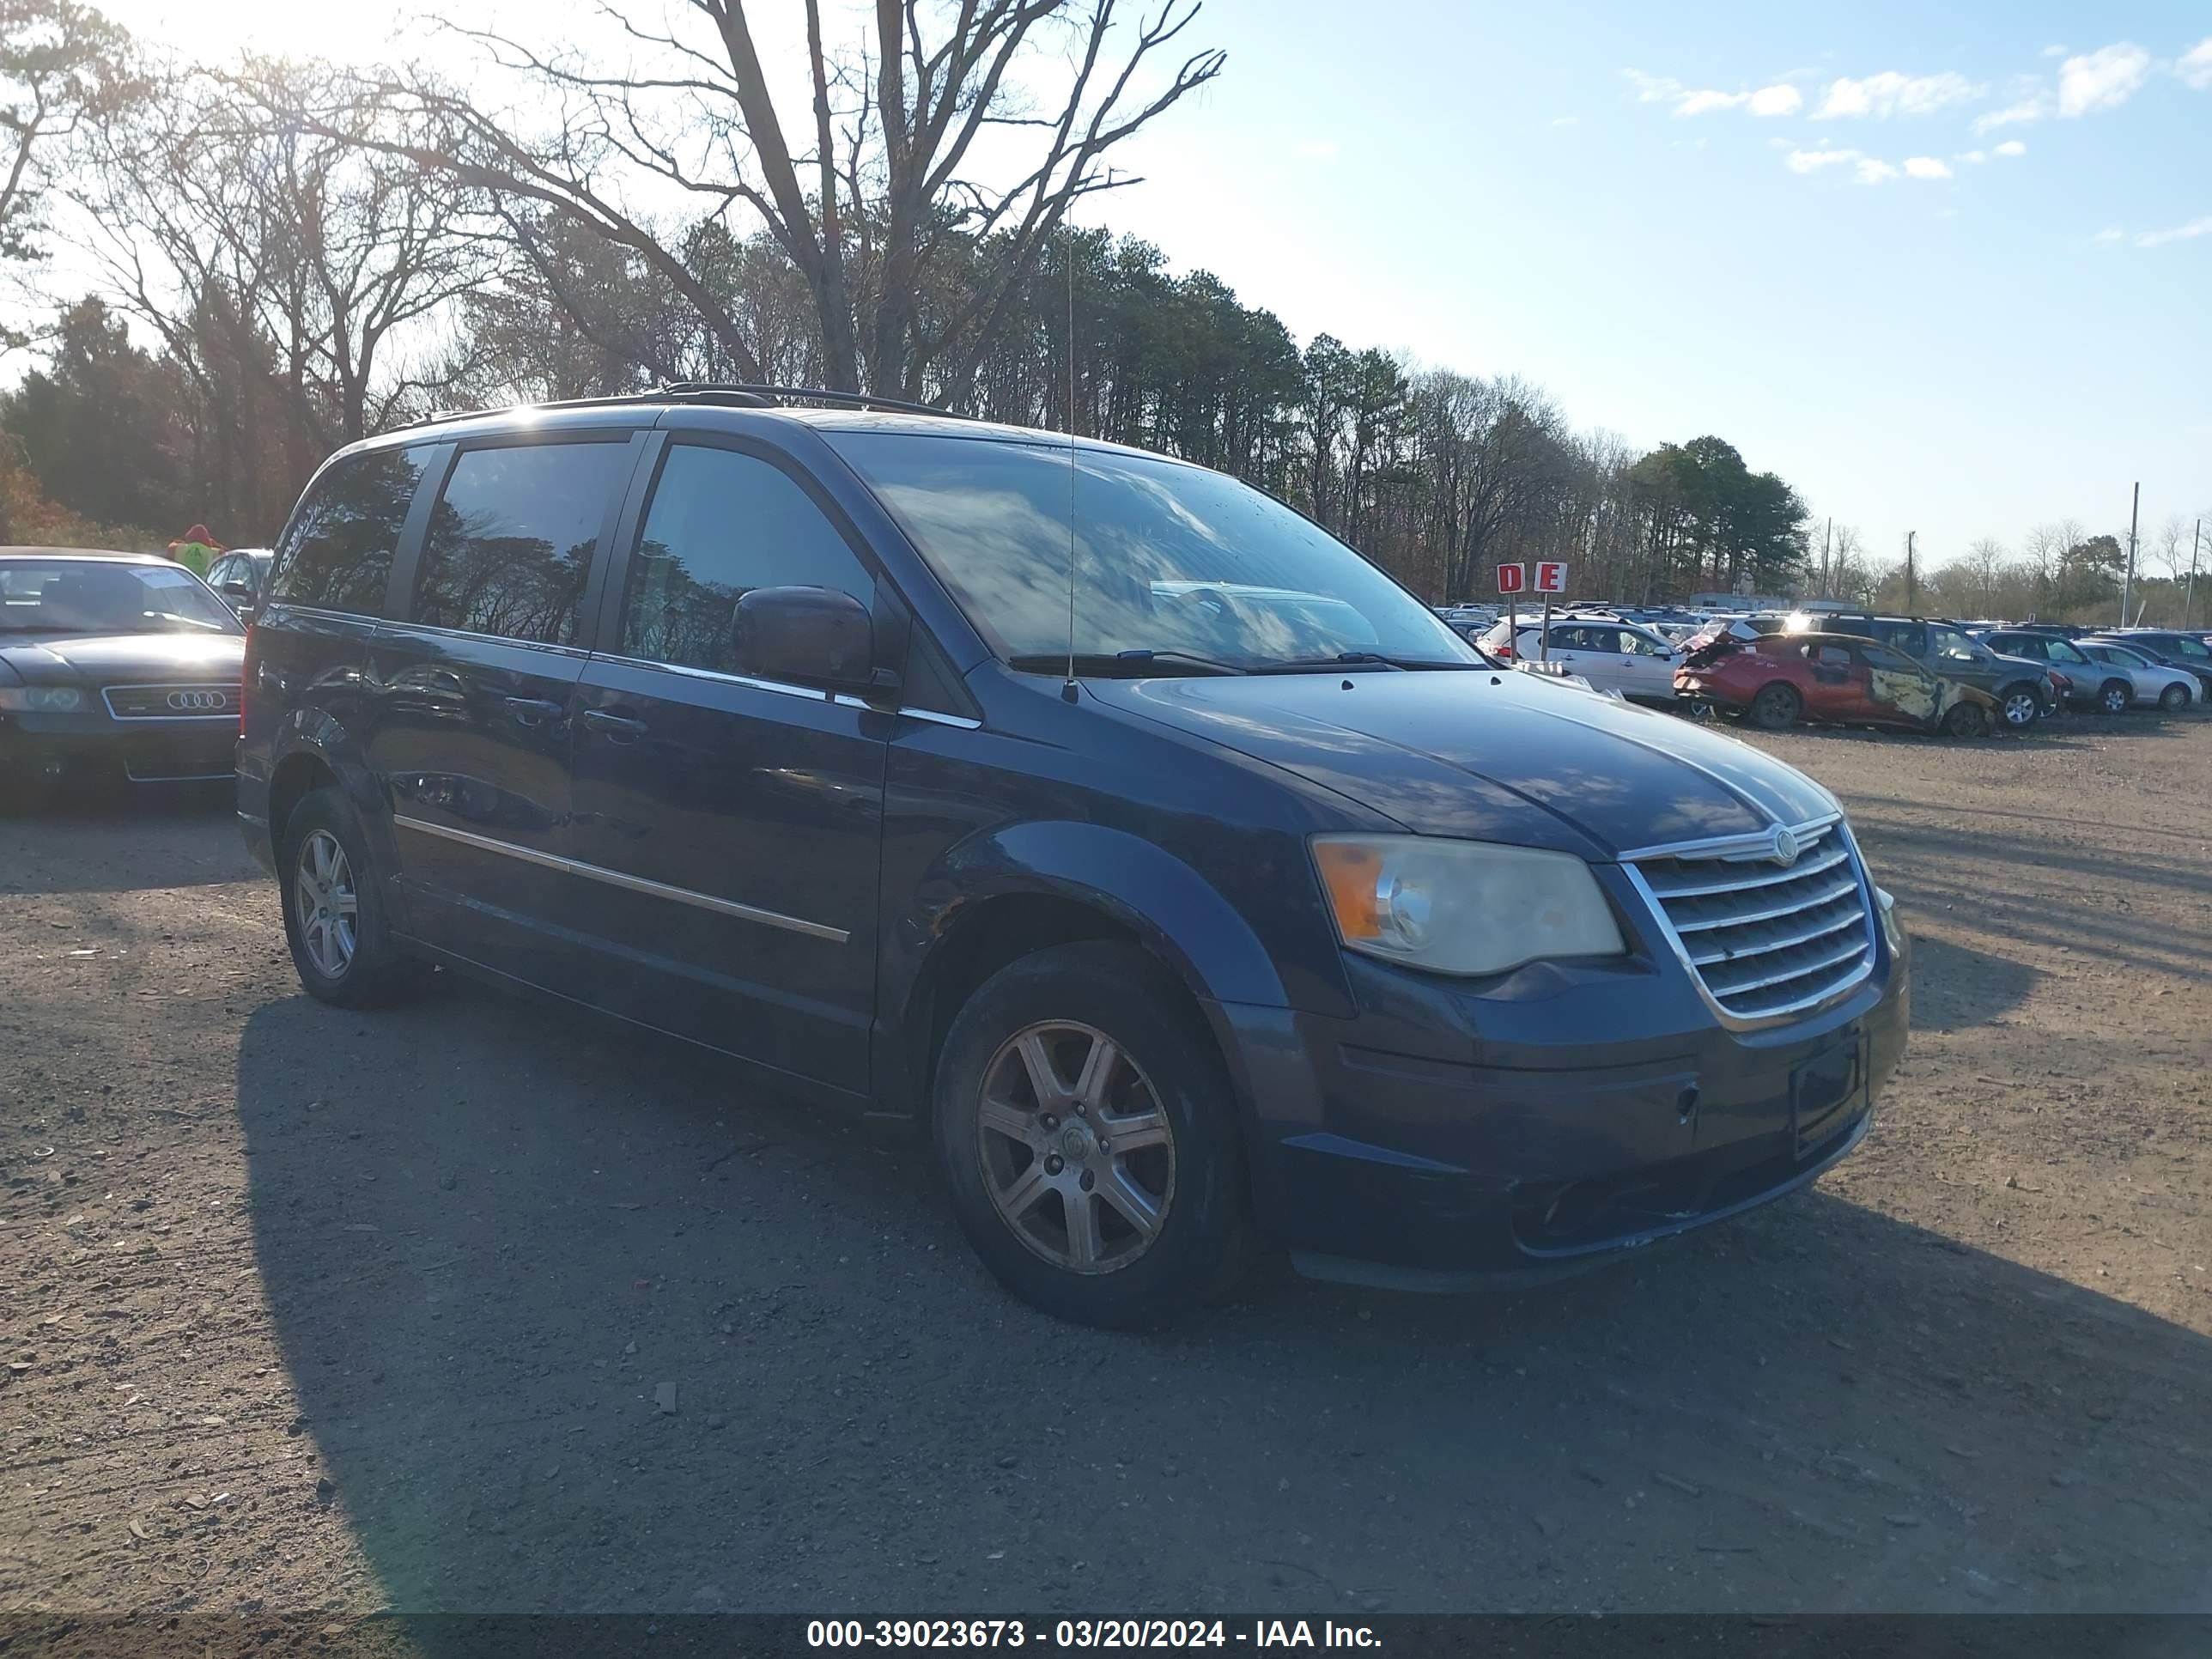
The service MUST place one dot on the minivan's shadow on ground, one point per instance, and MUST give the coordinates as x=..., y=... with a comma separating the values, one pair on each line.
x=574, y=1328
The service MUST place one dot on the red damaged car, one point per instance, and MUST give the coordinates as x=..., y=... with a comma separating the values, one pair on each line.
x=1777, y=679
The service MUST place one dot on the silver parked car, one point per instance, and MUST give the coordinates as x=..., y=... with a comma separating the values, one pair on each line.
x=1611, y=654
x=2171, y=689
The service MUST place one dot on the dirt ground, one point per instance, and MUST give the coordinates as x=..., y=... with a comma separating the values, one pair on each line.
x=310, y=1310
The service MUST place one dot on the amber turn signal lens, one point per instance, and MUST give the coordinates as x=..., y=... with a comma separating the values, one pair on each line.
x=1352, y=873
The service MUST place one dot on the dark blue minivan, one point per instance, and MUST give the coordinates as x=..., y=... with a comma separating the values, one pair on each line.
x=1201, y=891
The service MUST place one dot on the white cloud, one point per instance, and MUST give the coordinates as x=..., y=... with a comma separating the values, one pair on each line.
x=1315, y=150
x=1704, y=103
x=1871, y=171
x=2103, y=79
x=1925, y=166
x=1892, y=94
x=1780, y=98
x=2010, y=149
x=2194, y=68
x=1566, y=120
x=2178, y=233
x=2110, y=234
x=2033, y=108
x=1974, y=158
x=1812, y=160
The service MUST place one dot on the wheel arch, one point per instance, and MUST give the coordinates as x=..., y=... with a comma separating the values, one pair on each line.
x=318, y=752
x=1026, y=888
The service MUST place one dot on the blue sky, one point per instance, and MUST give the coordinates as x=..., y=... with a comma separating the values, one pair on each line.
x=1754, y=220
x=1495, y=189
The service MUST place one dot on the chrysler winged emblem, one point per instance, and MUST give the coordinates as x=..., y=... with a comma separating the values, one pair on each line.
x=1785, y=846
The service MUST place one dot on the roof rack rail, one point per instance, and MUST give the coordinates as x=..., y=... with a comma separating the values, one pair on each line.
x=746, y=394
x=732, y=394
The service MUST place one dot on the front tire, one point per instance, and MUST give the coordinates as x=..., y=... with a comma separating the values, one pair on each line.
x=334, y=916
x=1966, y=719
x=2173, y=699
x=2113, y=696
x=1776, y=707
x=1089, y=1141
x=2020, y=707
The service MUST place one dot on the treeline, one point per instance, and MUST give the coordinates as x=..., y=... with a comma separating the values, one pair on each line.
x=292, y=255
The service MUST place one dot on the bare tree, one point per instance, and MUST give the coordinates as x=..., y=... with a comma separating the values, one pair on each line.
x=61, y=65
x=268, y=258
x=2169, y=545
x=883, y=183
x=1985, y=560
x=2043, y=548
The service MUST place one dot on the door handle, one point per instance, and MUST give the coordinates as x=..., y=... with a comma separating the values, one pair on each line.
x=533, y=711
x=619, y=728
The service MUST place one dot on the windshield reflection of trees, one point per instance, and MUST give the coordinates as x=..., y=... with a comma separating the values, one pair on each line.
x=1165, y=558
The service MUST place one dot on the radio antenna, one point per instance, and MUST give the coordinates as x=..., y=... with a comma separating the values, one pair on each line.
x=1068, y=691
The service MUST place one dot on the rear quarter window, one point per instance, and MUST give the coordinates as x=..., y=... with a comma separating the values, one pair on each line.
x=338, y=552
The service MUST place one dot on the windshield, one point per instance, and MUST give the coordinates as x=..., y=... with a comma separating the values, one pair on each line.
x=2059, y=651
x=1168, y=559
x=94, y=596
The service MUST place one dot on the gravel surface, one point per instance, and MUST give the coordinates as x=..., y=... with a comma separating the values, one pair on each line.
x=473, y=1306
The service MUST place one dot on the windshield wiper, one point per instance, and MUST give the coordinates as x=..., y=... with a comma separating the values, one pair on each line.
x=1124, y=665
x=1355, y=659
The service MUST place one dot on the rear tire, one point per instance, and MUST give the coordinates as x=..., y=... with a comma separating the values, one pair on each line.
x=1776, y=707
x=2113, y=698
x=2173, y=699
x=1120, y=1237
x=1966, y=719
x=334, y=917
x=2020, y=707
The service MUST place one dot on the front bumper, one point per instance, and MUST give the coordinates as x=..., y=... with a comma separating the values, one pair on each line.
x=1442, y=1140
x=93, y=742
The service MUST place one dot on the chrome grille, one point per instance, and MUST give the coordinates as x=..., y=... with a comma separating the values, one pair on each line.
x=1766, y=940
x=193, y=702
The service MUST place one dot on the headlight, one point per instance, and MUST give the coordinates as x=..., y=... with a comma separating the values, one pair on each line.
x=1463, y=906
x=41, y=699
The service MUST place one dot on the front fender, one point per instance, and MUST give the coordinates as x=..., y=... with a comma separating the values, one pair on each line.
x=1174, y=910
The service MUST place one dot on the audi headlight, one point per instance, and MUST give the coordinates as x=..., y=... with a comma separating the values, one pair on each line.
x=41, y=699
x=1463, y=906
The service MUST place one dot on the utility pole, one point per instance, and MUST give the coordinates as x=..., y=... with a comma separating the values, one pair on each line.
x=1911, y=585
x=2127, y=577
x=2189, y=594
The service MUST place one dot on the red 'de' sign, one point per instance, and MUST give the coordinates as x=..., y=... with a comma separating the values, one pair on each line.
x=1512, y=578
x=1551, y=578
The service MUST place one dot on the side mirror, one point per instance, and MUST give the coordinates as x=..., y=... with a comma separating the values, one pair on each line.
x=234, y=588
x=804, y=635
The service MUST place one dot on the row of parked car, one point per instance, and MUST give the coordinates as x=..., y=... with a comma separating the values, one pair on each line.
x=1914, y=672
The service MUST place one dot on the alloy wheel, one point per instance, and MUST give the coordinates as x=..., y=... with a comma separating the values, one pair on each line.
x=2116, y=700
x=325, y=904
x=1077, y=1153
x=2019, y=709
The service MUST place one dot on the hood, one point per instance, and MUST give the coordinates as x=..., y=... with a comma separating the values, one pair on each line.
x=1489, y=756
x=113, y=659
